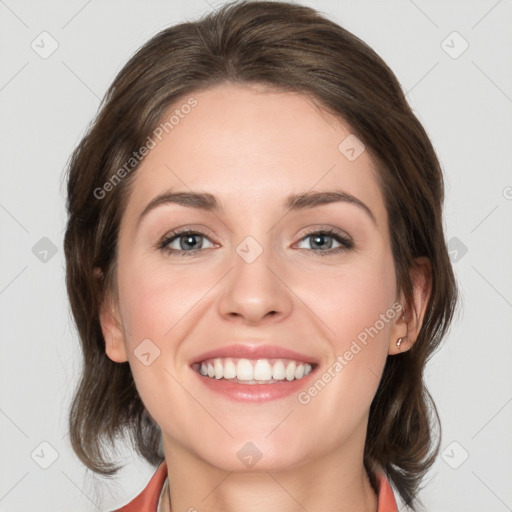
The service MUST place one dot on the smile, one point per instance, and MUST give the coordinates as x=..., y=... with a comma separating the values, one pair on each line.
x=253, y=371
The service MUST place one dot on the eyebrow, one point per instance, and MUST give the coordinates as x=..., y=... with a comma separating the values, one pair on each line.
x=294, y=202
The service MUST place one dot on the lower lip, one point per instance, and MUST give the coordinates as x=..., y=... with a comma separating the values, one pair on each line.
x=255, y=392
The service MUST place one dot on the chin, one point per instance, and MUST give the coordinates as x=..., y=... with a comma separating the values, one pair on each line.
x=255, y=456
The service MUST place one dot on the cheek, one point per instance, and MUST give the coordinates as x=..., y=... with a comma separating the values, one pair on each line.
x=365, y=295
x=160, y=304
x=155, y=298
x=357, y=306
x=156, y=304
x=351, y=298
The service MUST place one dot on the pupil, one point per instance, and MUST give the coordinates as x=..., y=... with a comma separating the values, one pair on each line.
x=190, y=240
x=318, y=237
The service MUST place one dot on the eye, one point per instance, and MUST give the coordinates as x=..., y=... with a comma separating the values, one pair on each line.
x=323, y=239
x=185, y=242
x=189, y=242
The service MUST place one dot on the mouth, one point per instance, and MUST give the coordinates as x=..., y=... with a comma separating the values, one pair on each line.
x=253, y=371
x=250, y=373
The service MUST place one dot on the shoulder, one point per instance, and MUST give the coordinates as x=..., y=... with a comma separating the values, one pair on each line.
x=147, y=500
x=387, y=502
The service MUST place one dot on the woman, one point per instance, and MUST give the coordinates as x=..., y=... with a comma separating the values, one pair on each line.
x=257, y=268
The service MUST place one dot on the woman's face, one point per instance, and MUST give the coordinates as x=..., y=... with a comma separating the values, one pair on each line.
x=261, y=277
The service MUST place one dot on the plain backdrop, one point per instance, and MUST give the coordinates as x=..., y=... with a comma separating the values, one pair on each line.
x=454, y=60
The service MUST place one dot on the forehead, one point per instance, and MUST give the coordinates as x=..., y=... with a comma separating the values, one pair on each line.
x=252, y=146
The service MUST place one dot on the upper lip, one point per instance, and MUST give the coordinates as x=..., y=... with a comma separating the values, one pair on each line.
x=248, y=351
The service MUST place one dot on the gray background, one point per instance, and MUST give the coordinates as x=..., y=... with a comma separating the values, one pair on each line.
x=464, y=101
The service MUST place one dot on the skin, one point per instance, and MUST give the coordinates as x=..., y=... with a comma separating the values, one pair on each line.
x=251, y=147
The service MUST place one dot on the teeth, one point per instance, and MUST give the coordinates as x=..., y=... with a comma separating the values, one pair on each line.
x=259, y=371
x=279, y=371
x=229, y=369
x=244, y=370
x=262, y=370
x=290, y=371
x=219, y=370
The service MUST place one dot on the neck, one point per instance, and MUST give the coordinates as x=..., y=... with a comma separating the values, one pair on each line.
x=333, y=482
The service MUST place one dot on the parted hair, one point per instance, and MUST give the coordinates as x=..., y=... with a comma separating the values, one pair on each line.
x=292, y=48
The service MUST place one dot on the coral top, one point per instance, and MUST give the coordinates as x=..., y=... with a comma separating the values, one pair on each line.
x=147, y=500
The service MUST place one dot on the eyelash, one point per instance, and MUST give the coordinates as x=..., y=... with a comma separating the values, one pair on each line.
x=346, y=242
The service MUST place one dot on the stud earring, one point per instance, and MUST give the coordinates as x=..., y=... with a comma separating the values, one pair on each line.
x=399, y=342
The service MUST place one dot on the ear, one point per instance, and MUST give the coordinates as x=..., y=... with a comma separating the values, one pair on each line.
x=111, y=326
x=408, y=324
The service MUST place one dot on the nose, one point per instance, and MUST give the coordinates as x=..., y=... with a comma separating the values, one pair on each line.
x=255, y=292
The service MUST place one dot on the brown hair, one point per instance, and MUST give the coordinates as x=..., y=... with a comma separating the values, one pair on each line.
x=291, y=48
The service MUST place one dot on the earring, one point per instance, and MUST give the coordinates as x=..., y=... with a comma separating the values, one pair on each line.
x=399, y=342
